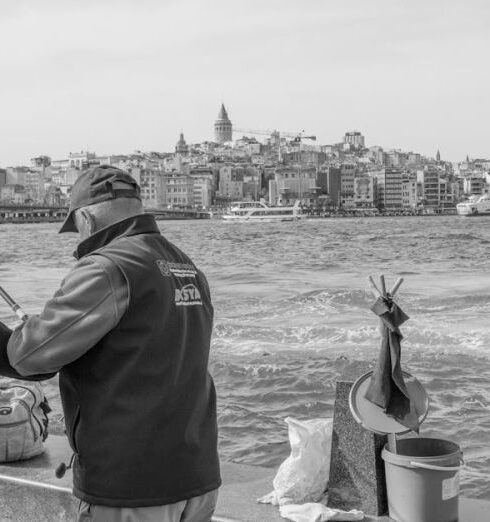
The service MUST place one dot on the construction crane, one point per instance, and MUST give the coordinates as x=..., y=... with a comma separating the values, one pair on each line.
x=297, y=136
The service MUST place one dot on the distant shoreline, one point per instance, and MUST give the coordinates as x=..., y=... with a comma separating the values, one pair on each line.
x=218, y=218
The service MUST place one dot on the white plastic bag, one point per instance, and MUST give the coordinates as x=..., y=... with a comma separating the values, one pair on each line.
x=303, y=476
x=314, y=512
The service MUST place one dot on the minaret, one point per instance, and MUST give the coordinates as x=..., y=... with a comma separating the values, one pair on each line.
x=438, y=157
x=181, y=147
x=223, y=129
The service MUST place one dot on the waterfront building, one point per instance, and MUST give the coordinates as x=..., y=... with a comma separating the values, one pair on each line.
x=333, y=183
x=410, y=192
x=16, y=175
x=347, y=175
x=54, y=196
x=176, y=190
x=34, y=185
x=448, y=195
x=223, y=128
x=354, y=139
x=429, y=178
x=389, y=187
x=365, y=192
x=13, y=194
x=328, y=181
x=252, y=183
x=293, y=183
x=56, y=175
x=231, y=182
x=203, y=181
x=71, y=175
x=474, y=185
x=150, y=184
x=273, y=192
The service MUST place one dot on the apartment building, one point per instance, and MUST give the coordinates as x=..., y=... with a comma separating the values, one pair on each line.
x=176, y=190
x=347, y=177
x=294, y=183
x=203, y=181
x=474, y=185
x=13, y=194
x=428, y=178
x=365, y=195
x=410, y=192
x=389, y=187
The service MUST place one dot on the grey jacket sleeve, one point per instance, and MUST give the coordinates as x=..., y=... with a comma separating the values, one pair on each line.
x=6, y=369
x=90, y=302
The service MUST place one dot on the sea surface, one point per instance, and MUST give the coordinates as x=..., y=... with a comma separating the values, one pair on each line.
x=292, y=308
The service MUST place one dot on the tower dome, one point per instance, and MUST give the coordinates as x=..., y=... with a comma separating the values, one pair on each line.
x=223, y=129
x=181, y=147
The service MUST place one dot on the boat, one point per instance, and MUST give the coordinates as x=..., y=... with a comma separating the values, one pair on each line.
x=475, y=206
x=260, y=211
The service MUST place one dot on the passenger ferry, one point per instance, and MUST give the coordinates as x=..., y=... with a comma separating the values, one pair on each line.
x=260, y=211
x=475, y=206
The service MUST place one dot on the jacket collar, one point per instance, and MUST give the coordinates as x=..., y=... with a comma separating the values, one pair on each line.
x=141, y=224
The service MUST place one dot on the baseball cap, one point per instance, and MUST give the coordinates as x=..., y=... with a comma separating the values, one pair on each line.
x=99, y=184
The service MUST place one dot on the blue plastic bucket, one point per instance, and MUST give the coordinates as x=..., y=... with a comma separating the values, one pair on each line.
x=422, y=480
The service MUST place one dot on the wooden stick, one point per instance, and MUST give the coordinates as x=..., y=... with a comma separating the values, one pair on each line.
x=396, y=286
x=383, y=284
x=374, y=287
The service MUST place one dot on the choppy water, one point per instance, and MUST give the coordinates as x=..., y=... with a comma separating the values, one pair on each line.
x=292, y=310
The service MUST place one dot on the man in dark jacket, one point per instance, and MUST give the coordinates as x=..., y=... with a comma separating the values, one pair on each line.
x=129, y=333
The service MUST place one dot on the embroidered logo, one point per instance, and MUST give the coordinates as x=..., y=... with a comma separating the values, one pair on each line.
x=168, y=269
x=163, y=266
x=188, y=295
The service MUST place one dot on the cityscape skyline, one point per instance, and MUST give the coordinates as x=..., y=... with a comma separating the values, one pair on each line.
x=235, y=133
x=123, y=76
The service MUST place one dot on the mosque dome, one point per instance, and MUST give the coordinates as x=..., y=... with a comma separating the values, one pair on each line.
x=181, y=147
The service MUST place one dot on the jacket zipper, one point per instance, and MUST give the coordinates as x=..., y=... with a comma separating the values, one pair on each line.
x=72, y=432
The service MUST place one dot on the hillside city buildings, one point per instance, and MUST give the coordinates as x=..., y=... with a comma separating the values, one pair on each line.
x=276, y=166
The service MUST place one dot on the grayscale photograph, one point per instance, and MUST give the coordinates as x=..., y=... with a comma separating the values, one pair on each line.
x=244, y=261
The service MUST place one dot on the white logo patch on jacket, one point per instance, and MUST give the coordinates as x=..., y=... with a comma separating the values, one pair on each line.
x=168, y=269
x=188, y=295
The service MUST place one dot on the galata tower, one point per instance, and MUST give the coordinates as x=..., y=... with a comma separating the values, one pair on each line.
x=223, y=129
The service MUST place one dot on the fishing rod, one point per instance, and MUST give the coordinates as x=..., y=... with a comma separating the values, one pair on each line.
x=15, y=306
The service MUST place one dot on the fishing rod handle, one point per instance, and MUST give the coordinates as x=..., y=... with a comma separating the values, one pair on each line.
x=15, y=307
x=20, y=313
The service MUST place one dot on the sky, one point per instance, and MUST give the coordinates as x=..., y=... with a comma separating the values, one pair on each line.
x=114, y=76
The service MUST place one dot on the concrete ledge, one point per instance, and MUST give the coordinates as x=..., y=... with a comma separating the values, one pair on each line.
x=35, y=500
